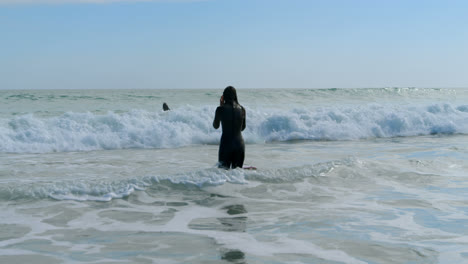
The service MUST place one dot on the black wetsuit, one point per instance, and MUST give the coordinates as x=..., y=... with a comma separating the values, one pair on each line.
x=231, y=148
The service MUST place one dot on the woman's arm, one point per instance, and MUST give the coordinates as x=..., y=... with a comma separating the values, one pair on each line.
x=217, y=119
x=243, y=119
x=218, y=113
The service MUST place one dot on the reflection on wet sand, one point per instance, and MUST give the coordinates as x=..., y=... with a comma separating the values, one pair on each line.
x=234, y=256
x=226, y=224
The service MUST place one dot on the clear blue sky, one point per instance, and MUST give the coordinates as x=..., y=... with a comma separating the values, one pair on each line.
x=60, y=44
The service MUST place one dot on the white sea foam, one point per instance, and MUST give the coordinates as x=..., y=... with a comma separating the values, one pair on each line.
x=104, y=190
x=393, y=197
x=74, y=131
x=96, y=189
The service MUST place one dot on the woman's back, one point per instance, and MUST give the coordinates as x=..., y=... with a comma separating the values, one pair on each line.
x=232, y=119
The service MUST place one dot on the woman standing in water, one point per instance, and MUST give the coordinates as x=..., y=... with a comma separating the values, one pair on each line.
x=232, y=117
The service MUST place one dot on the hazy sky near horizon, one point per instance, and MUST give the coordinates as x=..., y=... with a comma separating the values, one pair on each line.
x=76, y=44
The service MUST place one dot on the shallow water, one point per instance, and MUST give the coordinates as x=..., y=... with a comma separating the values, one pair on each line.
x=385, y=199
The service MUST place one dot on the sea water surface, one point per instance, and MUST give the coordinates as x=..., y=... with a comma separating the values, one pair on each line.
x=344, y=176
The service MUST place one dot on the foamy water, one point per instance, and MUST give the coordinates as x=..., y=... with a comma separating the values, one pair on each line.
x=344, y=176
x=33, y=131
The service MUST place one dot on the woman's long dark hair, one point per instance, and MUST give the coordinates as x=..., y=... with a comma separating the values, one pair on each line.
x=230, y=95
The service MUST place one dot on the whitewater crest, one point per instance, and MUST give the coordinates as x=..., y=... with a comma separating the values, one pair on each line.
x=103, y=190
x=190, y=125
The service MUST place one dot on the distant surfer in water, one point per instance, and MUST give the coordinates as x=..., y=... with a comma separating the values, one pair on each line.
x=166, y=107
x=232, y=117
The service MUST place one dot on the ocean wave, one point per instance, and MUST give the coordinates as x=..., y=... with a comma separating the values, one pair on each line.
x=338, y=173
x=106, y=190
x=191, y=125
x=103, y=190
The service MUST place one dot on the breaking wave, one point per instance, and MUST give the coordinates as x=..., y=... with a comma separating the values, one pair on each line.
x=191, y=125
